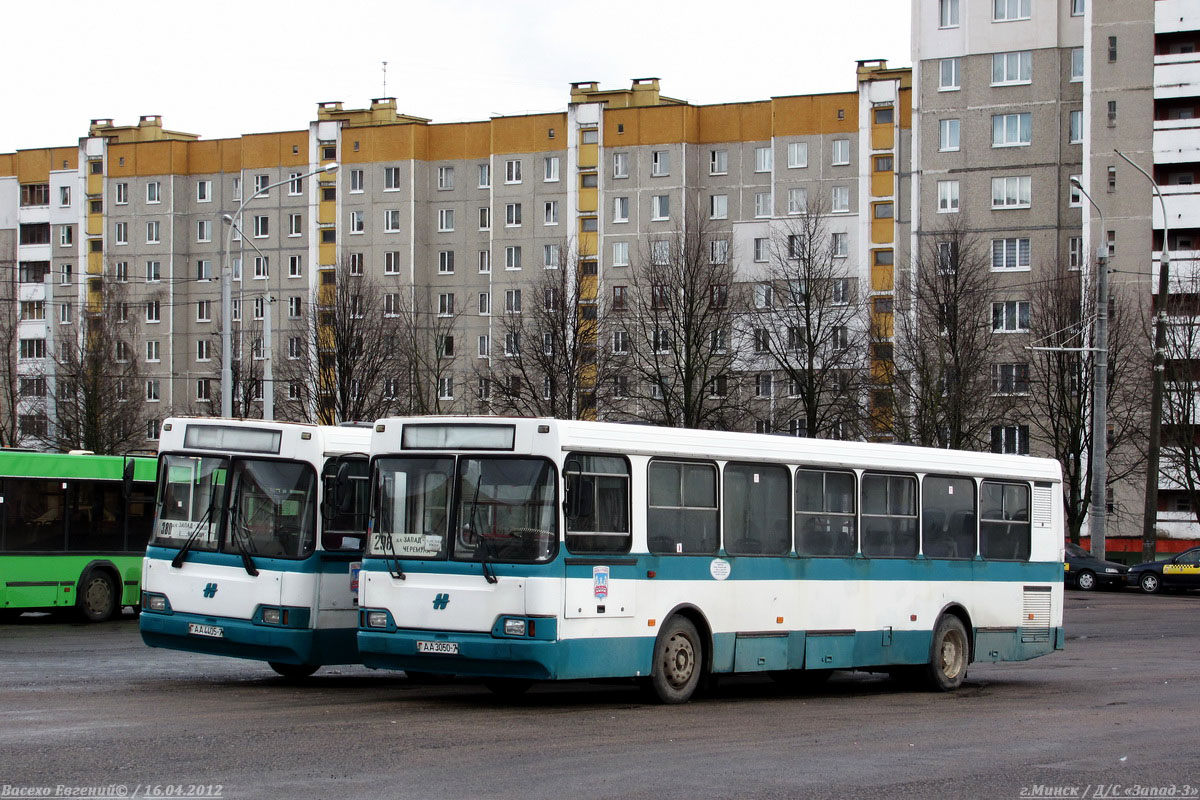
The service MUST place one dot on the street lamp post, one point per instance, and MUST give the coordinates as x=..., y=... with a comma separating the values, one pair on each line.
x=1097, y=519
x=234, y=221
x=1154, y=436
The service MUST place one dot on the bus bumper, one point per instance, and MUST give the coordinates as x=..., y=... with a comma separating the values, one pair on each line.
x=243, y=639
x=479, y=654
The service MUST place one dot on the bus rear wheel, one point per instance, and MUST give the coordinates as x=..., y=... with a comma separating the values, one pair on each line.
x=948, y=655
x=678, y=662
x=293, y=671
x=97, y=599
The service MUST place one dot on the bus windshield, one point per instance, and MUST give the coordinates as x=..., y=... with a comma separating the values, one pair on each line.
x=190, y=492
x=505, y=509
x=272, y=509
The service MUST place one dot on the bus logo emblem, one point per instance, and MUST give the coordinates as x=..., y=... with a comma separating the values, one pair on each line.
x=210, y=590
x=441, y=601
x=600, y=582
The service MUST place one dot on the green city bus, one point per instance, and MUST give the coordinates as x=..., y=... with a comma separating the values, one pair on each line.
x=73, y=531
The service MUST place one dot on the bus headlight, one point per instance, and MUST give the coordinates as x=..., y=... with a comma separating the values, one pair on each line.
x=377, y=619
x=514, y=627
x=273, y=616
x=155, y=602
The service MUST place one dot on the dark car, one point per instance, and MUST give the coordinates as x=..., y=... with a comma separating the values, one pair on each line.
x=1085, y=571
x=1180, y=572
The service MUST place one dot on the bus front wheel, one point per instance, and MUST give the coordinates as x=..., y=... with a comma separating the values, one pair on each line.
x=97, y=596
x=949, y=655
x=293, y=671
x=678, y=662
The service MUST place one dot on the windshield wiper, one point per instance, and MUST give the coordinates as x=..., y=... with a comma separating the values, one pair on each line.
x=484, y=549
x=247, y=561
x=398, y=574
x=177, y=561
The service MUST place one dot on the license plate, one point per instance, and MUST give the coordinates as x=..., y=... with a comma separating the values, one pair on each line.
x=213, y=631
x=445, y=648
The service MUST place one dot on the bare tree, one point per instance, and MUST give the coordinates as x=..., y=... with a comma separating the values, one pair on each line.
x=343, y=364
x=10, y=378
x=246, y=370
x=940, y=377
x=677, y=331
x=1180, y=453
x=1059, y=383
x=544, y=361
x=815, y=328
x=98, y=377
x=426, y=355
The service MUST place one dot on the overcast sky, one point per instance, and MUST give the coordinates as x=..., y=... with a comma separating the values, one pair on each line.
x=222, y=68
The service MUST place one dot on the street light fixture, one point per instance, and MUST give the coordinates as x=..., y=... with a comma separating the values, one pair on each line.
x=1097, y=518
x=234, y=220
x=1154, y=436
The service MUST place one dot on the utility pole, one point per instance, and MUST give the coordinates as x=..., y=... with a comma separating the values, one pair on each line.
x=1154, y=437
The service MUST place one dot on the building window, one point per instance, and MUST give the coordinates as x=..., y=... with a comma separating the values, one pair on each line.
x=840, y=199
x=1010, y=378
x=1012, y=439
x=1012, y=68
x=1074, y=194
x=948, y=135
x=391, y=262
x=1009, y=10
x=153, y=271
x=121, y=193
x=512, y=171
x=840, y=244
x=947, y=197
x=947, y=13
x=718, y=251
x=512, y=257
x=356, y=181
x=797, y=201
x=948, y=75
x=1010, y=254
x=1075, y=128
x=1011, y=192
x=204, y=311
x=294, y=266
x=620, y=165
x=153, y=231
x=1012, y=130
x=262, y=267
x=1076, y=64
x=762, y=204
x=391, y=179
x=761, y=250
x=485, y=176
x=512, y=301
x=1077, y=7
x=152, y=350
x=550, y=164
x=797, y=155
x=296, y=224
x=1075, y=252
x=620, y=254
x=445, y=304
x=121, y=233
x=512, y=215
x=262, y=227
x=841, y=152
x=550, y=212
x=1010, y=316
x=391, y=220
x=445, y=178
x=203, y=350
x=551, y=256
x=660, y=163
x=660, y=252
x=718, y=162
x=484, y=304
x=485, y=261
x=153, y=192
x=446, y=262
x=295, y=184
x=620, y=209
x=763, y=159
x=660, y=207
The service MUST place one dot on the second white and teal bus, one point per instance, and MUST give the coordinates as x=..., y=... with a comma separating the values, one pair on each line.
x=519, y=550
x=257, y=541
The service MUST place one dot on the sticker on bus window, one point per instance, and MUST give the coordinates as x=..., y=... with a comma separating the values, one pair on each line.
x=600, y=582
x=719, y=569
x=355, y=568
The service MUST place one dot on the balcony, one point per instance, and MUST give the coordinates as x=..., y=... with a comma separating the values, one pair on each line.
x=1176, y=78
x=1183, y=207
x=1176, y=16
x=1176, y=141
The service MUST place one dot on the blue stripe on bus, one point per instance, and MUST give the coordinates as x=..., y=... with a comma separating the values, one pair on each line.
x=758, y=568
x=311, y=565
x=244, y=639
x=481, y=655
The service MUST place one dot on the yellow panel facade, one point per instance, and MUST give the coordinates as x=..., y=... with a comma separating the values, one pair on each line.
x=814, y=114
x=327, y=254
x=589, y=155
x=883, y=184
x=95, y=225
x=587, y=287
x=883, y=137
x=33, y=166
x=529, y=134
x=95, y=263
x=587, y=243
x=327, y=213
x=95, y=184
x=883, y=278
x=882, y=231
x=382, y=143
x=587, y=199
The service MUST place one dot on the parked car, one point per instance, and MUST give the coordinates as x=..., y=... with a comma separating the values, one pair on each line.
x=1085, y=572
x=1180, y=572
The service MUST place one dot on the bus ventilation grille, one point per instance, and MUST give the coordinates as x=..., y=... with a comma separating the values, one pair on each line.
x=1043, y=505
x=1035, y=615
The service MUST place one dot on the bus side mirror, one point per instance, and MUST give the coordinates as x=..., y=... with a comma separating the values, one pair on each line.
x=127, y=478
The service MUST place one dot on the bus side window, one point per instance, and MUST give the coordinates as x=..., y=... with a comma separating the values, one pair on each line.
x=139, y=516
x=682, y=514
x=756, y=510
x=94, y=516
x=825, y=513
x=34, y=512
x=1004, y=529
x=344, y=524
x=948, y=517
x=598, y=490
x=889, y=516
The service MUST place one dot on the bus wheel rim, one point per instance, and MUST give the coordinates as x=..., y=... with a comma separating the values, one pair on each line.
x=952, y=654
x=679, y=660
x=97, y=595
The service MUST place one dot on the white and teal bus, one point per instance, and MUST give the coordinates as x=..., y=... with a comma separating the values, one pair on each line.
x=257, y=541
x=518, y=550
